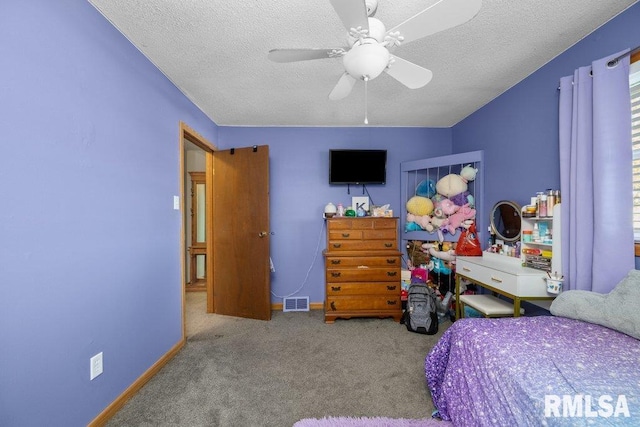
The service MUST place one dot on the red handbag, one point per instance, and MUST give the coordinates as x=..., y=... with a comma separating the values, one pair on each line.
x=468, y=243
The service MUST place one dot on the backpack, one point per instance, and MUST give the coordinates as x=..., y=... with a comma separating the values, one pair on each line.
x=421, y=314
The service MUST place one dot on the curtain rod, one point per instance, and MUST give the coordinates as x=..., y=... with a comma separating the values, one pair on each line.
x=619, y=57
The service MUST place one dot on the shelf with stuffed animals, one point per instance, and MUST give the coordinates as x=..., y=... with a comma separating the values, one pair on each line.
x=442, y=196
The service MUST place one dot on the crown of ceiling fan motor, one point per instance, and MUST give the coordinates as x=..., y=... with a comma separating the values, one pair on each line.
x=376, y=30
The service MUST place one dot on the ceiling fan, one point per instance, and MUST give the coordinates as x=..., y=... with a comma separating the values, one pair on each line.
x=369, y=42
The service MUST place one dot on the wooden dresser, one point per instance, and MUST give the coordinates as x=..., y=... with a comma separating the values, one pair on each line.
x=362, y=268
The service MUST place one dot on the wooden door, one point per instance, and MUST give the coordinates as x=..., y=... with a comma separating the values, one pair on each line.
x=241, y=268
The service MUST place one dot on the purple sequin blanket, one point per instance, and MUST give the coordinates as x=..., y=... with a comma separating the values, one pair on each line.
x=532, y=371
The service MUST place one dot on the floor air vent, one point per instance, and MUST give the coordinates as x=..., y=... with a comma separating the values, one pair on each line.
x=296, y=304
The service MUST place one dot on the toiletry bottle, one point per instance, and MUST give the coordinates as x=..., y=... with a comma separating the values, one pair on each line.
x=551, y=201
x=535, y=236
x=542, y=207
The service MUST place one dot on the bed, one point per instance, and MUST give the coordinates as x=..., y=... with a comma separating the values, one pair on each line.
x=580, y=366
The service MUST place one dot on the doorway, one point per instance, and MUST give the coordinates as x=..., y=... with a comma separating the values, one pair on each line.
x=195, y=178
x=236, y=263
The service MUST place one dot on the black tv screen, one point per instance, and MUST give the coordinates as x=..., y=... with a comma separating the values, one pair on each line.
x=357, y=166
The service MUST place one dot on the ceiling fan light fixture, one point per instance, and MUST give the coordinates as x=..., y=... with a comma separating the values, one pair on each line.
x=366, y=59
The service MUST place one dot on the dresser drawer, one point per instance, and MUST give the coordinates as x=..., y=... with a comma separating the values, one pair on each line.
x=520, y=281
x=495, y=278
x=366, y=288
x=363, y=275
x=369, y=223
x=362, y=245
x=376, y=234
x=337, y=235
x=346, y=303
x=377, y=261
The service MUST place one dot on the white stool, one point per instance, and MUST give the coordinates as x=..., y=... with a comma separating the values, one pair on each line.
x=488, y=305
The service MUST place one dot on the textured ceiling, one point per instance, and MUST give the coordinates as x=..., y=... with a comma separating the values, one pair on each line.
x=215, y=51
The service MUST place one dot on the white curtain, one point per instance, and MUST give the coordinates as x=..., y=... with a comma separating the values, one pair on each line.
x=596, y=174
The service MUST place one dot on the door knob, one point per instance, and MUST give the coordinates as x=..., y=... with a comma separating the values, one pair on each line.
x=262, y=234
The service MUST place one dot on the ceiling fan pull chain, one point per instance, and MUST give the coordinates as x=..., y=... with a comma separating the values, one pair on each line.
x=366, y=104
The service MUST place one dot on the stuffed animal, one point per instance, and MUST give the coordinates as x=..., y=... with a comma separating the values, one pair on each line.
x=454, y=221
x=468, y=173
x=453, y=184
x=426, y=188
x=448, y=207
x=412, y=226
x=419, y=205
x=436, y=220
x=463, y=198
x=417, y=256
x=466, y=224
x=446, y=254
x=423, y=221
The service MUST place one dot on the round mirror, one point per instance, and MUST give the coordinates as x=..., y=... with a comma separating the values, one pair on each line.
x=506, y=220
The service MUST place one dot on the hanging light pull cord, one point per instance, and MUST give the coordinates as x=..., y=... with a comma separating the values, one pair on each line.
x=366, y=120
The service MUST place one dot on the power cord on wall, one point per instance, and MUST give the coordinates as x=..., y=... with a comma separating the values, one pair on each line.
x=365, y=189
x=315, y=256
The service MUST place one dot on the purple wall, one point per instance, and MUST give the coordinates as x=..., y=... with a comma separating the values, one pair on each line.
x=89, y=252
x=299, y=167
x=518, y=131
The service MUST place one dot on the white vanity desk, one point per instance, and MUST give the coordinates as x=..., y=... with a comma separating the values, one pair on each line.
x=503, y=275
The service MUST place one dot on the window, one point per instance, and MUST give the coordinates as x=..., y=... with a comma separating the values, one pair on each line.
x=634, y=84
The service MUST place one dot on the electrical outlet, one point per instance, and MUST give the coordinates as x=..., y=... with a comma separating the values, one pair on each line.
x=95, y=365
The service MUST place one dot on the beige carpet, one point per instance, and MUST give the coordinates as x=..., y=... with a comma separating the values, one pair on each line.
x=242, y=372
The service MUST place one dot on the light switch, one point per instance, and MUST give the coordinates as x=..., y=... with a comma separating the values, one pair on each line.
x=176, y=203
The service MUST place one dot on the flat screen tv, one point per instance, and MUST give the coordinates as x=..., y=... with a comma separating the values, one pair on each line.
x=357, y=166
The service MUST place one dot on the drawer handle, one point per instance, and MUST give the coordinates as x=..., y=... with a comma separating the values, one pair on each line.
x=336, y=245
x=335, y=274
x=391, y=288
x=495, y=279
x=466, y=268
x=391, y=261
x=388, y=245
x=346, y=234
x=391, y=302
x=336, y=288
x=392, y=273
x=333, y=305
x=335, y=261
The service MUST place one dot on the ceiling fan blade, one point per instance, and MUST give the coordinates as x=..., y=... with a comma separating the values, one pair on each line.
x=353, y=13
x=409, y=74
x=438, y=17
x=293, y=55
x=343, y=88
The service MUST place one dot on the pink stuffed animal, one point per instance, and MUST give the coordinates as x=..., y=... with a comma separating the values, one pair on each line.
x=448, y=207
x=457, y=219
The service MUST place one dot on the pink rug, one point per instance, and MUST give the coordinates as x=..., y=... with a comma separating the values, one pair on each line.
x=371, y=422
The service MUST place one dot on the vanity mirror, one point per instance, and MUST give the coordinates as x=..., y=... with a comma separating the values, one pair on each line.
x=506, y=220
